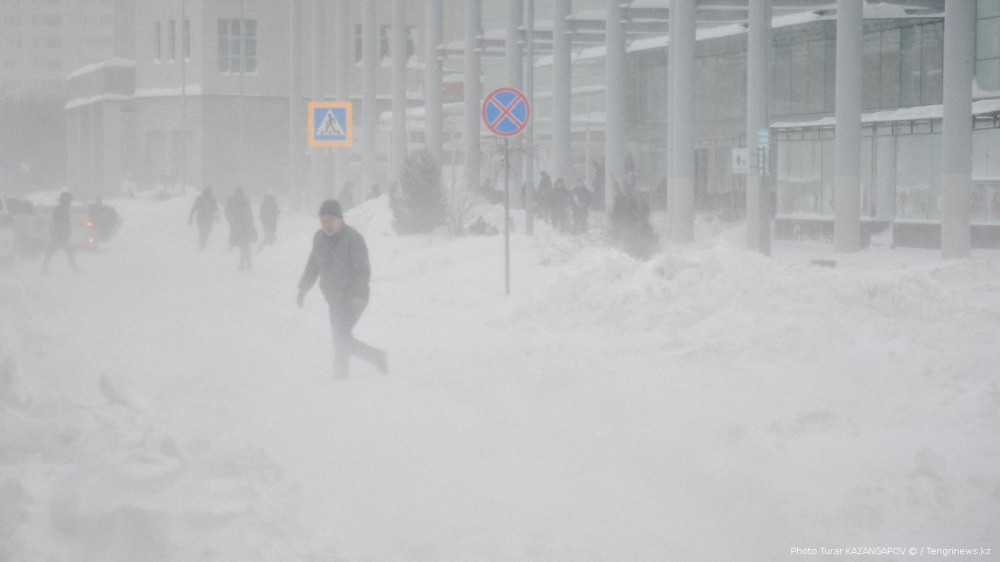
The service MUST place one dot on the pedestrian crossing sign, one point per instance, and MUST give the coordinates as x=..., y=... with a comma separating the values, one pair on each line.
x=330, y=123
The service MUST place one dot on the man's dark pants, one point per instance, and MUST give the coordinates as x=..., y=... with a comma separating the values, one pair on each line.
x=342, y=320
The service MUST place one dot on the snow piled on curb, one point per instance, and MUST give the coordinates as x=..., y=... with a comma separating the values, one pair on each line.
x=706, y=404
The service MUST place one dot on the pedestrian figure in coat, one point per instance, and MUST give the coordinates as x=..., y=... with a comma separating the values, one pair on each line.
x=242, y=232
x=339, y=259
x=203, y=211
x=269, y=212
x=581, y=207
x=599, y=185
x=543, y=200
x=559, y=205
x=59, y=233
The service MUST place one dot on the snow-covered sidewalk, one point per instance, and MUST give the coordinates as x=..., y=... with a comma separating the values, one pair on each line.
x=708, y=404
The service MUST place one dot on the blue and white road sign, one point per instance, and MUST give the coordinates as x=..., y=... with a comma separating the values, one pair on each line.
x=330, y=123
x=506, y=112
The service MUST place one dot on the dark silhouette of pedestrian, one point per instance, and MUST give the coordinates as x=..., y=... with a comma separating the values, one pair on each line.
x=203, y=211
x=242, y=232
x=560, y=205
x=339, y=259
x=660, y=195
x=598, y=183
x=543, y=198
x=269, y=212
x=59, y=233
x=582, y=199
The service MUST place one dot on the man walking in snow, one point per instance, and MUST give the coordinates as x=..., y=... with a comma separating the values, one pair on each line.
x=269, y=211
x=59, y=233
x=339, y=259
x=203, y=211
x=241, y=229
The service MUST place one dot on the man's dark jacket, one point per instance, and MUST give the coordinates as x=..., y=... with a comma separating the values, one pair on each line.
x=60, y=228
x=341, y=264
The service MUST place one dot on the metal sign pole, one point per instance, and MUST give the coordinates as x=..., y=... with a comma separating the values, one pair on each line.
x=506, y=112
x=506, y=214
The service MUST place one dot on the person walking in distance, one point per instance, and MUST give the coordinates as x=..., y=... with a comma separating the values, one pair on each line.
x=269, y=211
x=242, y=232
x=203, y=211
x=339, y=259
x=59, y=233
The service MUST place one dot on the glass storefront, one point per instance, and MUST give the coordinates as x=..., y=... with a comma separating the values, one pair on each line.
x=900, y=172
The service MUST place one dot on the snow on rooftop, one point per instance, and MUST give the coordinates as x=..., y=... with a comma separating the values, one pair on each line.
x=189, y=90
x=115, y=62
x=920, y=113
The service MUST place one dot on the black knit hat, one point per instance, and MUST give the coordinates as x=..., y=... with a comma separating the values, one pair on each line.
x=330, y=207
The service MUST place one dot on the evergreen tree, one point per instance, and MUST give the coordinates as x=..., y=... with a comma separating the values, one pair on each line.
x=417, y=200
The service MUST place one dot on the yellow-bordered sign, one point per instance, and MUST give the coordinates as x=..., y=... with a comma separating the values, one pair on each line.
x=330, y=123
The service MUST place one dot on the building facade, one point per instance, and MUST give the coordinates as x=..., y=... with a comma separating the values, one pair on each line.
x=221, y=91
x=40, y=44
x=221, y=86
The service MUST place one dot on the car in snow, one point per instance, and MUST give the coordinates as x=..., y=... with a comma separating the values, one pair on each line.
x=30, y=234
x=82, y=233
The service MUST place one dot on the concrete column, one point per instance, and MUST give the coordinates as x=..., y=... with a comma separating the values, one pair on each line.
x=529, y=130
x=342, y=92
x=562, y=96
x=369, y=105
x=399, y=58
x=433, y=120
x=758, y=55
x=847, y=185
x=513, y=60
x=956, y=177
x=297, y=140
x=681, y=120
x=318, y=190
x=473, y=91
x=614, y=72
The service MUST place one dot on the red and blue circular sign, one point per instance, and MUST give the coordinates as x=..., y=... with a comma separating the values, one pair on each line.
x=506, y=112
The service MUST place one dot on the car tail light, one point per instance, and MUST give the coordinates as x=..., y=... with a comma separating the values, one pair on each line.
x=90, y=224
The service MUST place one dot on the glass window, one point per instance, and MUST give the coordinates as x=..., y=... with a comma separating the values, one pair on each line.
x=988, y=38
x=986, y=154
x=884, y=171
x=816, y=77
x=988, y=52
x=157, y=40
x=359, y=46
x=918, y=169
x=800, y=177
x=871, y=52
x=909, y=66
x=932, y=61
x=988, y=74
x=989, y=8
x=889, y=76
x=172, y=39
x=800, y=71
x=237, y=42
x=781, y=97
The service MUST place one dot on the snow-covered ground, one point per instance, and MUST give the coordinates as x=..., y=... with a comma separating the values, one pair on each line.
x=707, y=404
